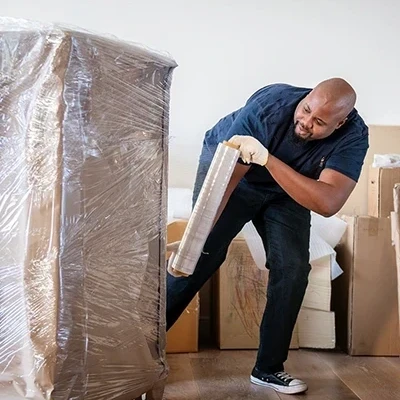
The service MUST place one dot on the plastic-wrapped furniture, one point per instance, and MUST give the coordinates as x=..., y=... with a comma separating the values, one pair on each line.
x=83, y=153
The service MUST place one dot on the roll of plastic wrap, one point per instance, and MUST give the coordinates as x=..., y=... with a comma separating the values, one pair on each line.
x=205, y=209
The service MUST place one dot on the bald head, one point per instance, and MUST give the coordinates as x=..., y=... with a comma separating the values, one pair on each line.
x=324, y=109
x=338, y=93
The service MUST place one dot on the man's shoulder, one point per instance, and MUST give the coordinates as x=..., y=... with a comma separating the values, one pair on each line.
x=356, y=125
x=277, y=101
x=283, y=92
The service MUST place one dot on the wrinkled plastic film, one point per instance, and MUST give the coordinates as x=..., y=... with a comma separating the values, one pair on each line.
x=83, y=161
x=205, y=209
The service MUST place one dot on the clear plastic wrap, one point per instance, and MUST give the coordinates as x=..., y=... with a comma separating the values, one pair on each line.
x=83, y=164
x=206, y=207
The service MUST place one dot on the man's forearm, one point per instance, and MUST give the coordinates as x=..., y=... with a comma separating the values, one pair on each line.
x=317, y=196
x=325, y=196
x=224, y=201
x=238, y=173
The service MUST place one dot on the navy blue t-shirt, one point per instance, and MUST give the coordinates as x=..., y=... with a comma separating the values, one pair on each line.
x=268, y=116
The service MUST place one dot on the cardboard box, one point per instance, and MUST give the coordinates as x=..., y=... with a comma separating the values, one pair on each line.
x=395, y=224
x=380, y=190
x=383, y=139
x=319, y=289
x=316, y=329
x=240, y=292
x=183, y=337
x=364, y=298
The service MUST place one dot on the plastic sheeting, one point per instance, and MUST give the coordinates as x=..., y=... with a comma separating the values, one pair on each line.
x=83, y=144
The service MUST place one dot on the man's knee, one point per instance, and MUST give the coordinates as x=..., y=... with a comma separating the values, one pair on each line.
x=294, y=263
x=292, y=272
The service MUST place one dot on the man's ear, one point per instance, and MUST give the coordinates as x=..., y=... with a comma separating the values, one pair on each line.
x=341, y=123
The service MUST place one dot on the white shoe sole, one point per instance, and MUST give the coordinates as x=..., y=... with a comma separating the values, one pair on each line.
x=281, y=389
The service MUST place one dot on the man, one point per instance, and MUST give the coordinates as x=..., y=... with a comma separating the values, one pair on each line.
x=301, y=150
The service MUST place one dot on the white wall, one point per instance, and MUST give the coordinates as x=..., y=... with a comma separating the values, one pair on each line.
x=227, y=49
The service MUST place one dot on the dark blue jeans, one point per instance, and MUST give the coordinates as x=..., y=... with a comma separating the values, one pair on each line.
x=284, y=227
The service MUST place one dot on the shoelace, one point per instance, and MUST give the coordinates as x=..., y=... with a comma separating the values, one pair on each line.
x=284, y=376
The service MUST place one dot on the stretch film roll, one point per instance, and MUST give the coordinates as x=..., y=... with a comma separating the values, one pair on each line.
x=201, y=220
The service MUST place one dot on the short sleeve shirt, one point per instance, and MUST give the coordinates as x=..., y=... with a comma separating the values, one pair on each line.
x=268, y=116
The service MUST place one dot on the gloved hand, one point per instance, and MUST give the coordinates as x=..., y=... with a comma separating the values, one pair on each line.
x=173, y=247
x=252, y=151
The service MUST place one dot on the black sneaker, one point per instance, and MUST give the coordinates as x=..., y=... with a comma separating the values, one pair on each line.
x=279, y=381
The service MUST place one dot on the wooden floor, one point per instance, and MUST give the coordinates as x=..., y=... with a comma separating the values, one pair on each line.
x=224, y=375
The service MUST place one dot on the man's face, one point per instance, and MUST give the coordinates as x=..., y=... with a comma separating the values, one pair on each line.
x=316, y=117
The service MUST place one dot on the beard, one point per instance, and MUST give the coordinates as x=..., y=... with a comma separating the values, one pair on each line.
x=295, y=137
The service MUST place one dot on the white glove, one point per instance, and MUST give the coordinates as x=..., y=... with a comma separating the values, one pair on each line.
x=173, y=247
x=252, y=151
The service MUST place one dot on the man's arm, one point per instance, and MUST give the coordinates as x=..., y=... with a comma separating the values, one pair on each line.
x=238, y=173
x=325, y=196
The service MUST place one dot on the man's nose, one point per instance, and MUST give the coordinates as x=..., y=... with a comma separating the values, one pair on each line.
x=307, y=122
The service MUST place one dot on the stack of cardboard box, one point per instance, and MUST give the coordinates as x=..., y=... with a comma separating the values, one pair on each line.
x=363, y=316
x=239, y=299
x=365, y=296
x=240, y=294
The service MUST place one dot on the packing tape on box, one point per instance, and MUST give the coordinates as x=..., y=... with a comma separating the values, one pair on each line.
x=205, y=209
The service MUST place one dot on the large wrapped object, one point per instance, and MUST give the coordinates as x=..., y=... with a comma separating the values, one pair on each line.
x=83, y=151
